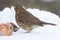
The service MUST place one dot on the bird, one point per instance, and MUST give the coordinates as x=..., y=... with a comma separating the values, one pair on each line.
x=6, y=29
x=26, y=20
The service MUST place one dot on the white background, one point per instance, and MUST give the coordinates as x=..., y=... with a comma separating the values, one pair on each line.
x=48, y=32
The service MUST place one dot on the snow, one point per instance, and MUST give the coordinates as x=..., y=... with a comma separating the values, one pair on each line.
x=48, y=32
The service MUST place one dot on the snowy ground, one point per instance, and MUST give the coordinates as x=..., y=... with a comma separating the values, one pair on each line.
x=48, y=32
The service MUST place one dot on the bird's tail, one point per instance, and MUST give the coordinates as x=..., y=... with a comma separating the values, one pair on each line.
x=45, y=23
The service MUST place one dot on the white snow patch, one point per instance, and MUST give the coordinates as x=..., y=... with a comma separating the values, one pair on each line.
x=48, y=32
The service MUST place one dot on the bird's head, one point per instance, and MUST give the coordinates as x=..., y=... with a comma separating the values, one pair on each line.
x=18, y=8
x=15, y=28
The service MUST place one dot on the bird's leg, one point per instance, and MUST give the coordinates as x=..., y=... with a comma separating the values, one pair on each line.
x=28, y=29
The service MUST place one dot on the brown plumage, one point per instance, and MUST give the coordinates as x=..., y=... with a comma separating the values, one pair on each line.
x=26, y=20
